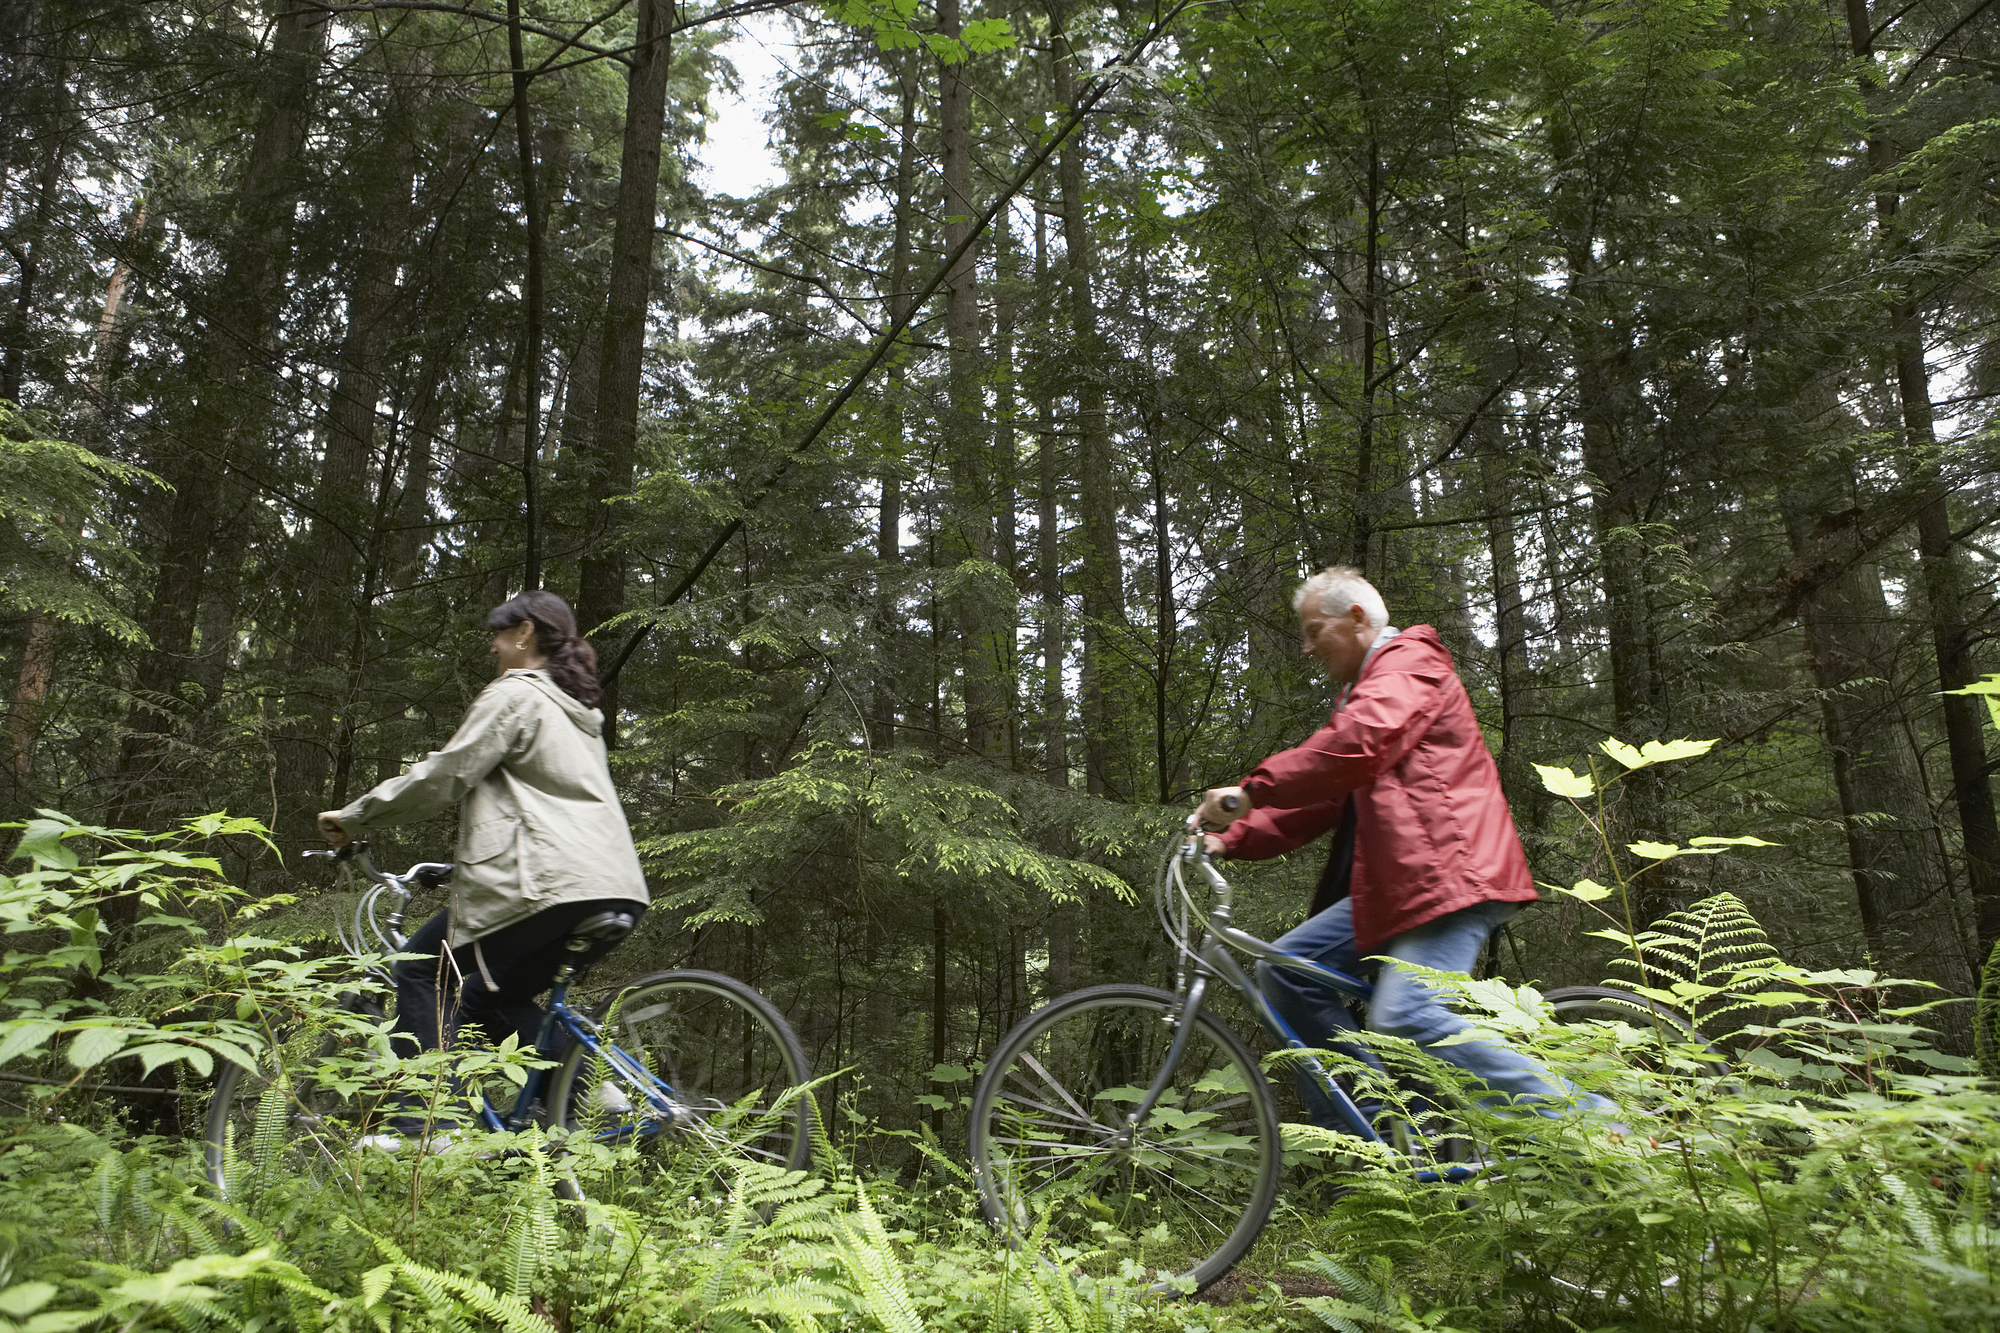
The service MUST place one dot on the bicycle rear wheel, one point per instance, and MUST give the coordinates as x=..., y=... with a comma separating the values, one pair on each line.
x=733, y=1064
x=1185, y=1194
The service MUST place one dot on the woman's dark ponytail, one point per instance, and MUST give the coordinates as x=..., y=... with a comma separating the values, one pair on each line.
x=572, y=661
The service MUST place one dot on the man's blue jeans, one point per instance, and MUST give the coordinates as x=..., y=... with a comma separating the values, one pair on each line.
x=1404, y=1007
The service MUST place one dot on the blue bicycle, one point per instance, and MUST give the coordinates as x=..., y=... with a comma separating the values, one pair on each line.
x=1134, y=1123
x=702, y=1064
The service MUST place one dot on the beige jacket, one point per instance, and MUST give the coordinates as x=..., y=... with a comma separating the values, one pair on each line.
x=538, y=823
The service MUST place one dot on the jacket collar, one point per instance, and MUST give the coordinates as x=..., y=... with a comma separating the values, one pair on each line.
x=1381, y=640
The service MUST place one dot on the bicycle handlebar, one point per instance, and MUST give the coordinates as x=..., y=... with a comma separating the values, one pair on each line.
x=428, y=874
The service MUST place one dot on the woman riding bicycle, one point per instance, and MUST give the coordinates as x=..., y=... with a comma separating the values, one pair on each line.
x=542, y=840
x=1425, y=863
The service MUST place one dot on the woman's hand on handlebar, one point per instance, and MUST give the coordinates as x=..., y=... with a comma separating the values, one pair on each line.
x=1221, y=807
x=330, y=829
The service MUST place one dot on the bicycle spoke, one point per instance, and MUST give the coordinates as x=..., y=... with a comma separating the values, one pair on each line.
x=1185, y=1191
x=1086, y=1121
x=729, y=1061
x=1055, y=1085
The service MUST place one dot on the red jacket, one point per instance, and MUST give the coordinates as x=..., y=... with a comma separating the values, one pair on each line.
x=1432, y=832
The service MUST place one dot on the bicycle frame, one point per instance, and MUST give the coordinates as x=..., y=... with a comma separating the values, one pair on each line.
x=582, y=1030
x=561, y=1017
x=1210, y=958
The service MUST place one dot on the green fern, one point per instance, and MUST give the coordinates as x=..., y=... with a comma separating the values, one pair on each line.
x=864, y=1249
x=1986, y=1024
x=801, y=1303
x=739, y=1226
x=1709, y=956
x=447, y=1296
x=1368, y=1302
x=532, y=1235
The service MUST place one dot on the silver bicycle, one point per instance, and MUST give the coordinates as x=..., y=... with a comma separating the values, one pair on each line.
x=1134, y=1123
x=701, y=1063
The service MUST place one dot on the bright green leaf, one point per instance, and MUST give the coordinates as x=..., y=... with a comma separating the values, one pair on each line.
x=1654, y=752
x=1562, y=782
x=23, y=1035
x=1666, y=851
x=1729, y=842
x=21, y=1301
x=1589, y=890
x=94, y=1045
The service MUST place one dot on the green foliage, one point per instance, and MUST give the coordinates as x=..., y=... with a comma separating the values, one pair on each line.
x=1712, y=959
x=1680, y=960
x=904, y=817
x=170, y=887
x=889, y=21
x=56, y=524
x=1789, y=1193
x=1844, y=1167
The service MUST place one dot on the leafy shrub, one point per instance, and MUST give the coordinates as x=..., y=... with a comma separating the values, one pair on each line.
x=1839, y=1177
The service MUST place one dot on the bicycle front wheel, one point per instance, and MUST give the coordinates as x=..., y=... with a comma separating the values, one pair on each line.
x=731, y=1065
x=278, y=1123
x=1185, y=1193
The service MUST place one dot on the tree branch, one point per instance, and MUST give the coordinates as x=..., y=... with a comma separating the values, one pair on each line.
x=1109, y=77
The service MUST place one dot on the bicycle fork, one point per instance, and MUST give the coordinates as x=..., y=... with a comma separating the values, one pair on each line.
x=1217, y=961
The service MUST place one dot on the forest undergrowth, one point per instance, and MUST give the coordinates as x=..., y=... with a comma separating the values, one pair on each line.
x=1839, y=1174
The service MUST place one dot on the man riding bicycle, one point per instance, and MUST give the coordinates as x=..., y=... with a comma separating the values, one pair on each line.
x=1425, y=863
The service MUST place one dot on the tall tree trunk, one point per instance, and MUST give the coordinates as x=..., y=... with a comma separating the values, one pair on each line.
x=341, y=528
x=613, y=456
x=1048, y=543
x=1164, y=626
x=1853, y=647
x=889, y=518
x=1102, y=573
x=1005, y=496
x=531, y=331
x=38, y=652
x=1941, y=563
x=226, y=417
x=1065, y=920
x=1365, y=501
x=1510, y=622
x=20, y=319
x=969, y=523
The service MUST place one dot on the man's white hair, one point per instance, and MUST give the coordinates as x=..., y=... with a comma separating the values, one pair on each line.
x=1338, y=587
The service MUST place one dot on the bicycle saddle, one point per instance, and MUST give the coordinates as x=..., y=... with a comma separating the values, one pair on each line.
x=603, y=929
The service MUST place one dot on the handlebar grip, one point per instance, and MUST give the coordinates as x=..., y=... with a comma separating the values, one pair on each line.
x=1232, y=803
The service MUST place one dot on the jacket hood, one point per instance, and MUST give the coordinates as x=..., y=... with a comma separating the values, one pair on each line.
x=588, y=720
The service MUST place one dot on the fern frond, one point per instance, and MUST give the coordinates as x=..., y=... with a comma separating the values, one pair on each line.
x=444, y=1293
x=1917, y=1218
x=1715, y=944
x=870, y=1258
x=800, y=1303
x=531, y=1236
x=739, y=1224
x=107, y=1187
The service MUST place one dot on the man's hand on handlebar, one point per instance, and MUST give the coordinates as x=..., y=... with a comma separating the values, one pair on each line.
x=1221, y=807
x=331, y=830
